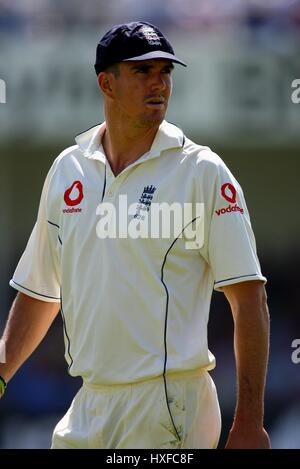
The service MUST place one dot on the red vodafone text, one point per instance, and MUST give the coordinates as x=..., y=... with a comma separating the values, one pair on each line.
x=230, y=208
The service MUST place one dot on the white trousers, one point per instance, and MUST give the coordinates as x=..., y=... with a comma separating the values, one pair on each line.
x=147, y=415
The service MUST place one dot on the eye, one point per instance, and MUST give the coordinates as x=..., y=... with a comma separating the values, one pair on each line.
x=142, y=69
x=167, y=70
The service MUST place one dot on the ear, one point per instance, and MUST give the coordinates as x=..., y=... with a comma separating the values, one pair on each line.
x=105, y=83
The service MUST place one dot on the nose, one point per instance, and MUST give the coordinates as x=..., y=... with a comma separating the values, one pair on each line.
x=160, y=82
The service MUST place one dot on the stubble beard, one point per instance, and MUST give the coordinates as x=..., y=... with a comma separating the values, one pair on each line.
x=145, y=121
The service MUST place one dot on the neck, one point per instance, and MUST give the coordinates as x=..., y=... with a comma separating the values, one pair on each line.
x=123, y=145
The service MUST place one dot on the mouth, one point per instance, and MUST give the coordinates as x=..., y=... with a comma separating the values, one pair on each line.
x=155, y=103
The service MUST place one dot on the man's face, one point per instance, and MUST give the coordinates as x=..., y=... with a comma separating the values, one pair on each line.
x=141, y=91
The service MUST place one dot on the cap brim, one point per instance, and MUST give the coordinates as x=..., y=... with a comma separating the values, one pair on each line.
x=157, y=54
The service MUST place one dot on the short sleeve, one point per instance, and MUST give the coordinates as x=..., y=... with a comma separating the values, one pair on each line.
x=38, y=273
x=231, y=243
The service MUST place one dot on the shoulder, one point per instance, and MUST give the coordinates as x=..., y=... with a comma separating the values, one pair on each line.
x=64, y=166
x=209, y=172
x=203, y=158
x=67, y=157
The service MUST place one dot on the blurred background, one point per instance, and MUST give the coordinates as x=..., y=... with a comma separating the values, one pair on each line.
x=235, y=96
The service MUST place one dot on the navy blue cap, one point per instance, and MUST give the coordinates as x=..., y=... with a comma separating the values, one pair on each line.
x=133, y=41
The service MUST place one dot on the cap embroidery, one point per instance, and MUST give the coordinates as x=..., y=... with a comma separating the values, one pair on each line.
x=151, y=36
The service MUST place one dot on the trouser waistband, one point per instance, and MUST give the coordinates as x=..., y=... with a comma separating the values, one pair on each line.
x=169, y=376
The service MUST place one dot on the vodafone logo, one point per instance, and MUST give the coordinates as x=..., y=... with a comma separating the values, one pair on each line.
x=229, y=209
x=228, y=192
x=74, y=195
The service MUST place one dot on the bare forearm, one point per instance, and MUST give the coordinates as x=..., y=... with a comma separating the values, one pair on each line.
x=251, y=342
x=248, y=303
x=28, y=322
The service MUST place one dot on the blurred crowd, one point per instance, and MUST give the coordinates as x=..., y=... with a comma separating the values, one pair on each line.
x=42, y=17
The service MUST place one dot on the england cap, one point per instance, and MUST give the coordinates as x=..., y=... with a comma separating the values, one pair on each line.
x=133, y=41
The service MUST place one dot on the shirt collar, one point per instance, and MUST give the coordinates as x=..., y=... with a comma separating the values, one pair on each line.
x=167, y=137
x=89, y=142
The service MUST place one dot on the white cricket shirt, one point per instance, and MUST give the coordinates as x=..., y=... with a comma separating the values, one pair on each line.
x=134, y=307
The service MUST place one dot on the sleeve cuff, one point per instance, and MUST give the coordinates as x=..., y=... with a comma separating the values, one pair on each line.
x=241, y=278
x=34, y=294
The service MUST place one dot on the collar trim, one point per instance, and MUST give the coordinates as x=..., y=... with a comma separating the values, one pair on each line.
x=167, y=137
